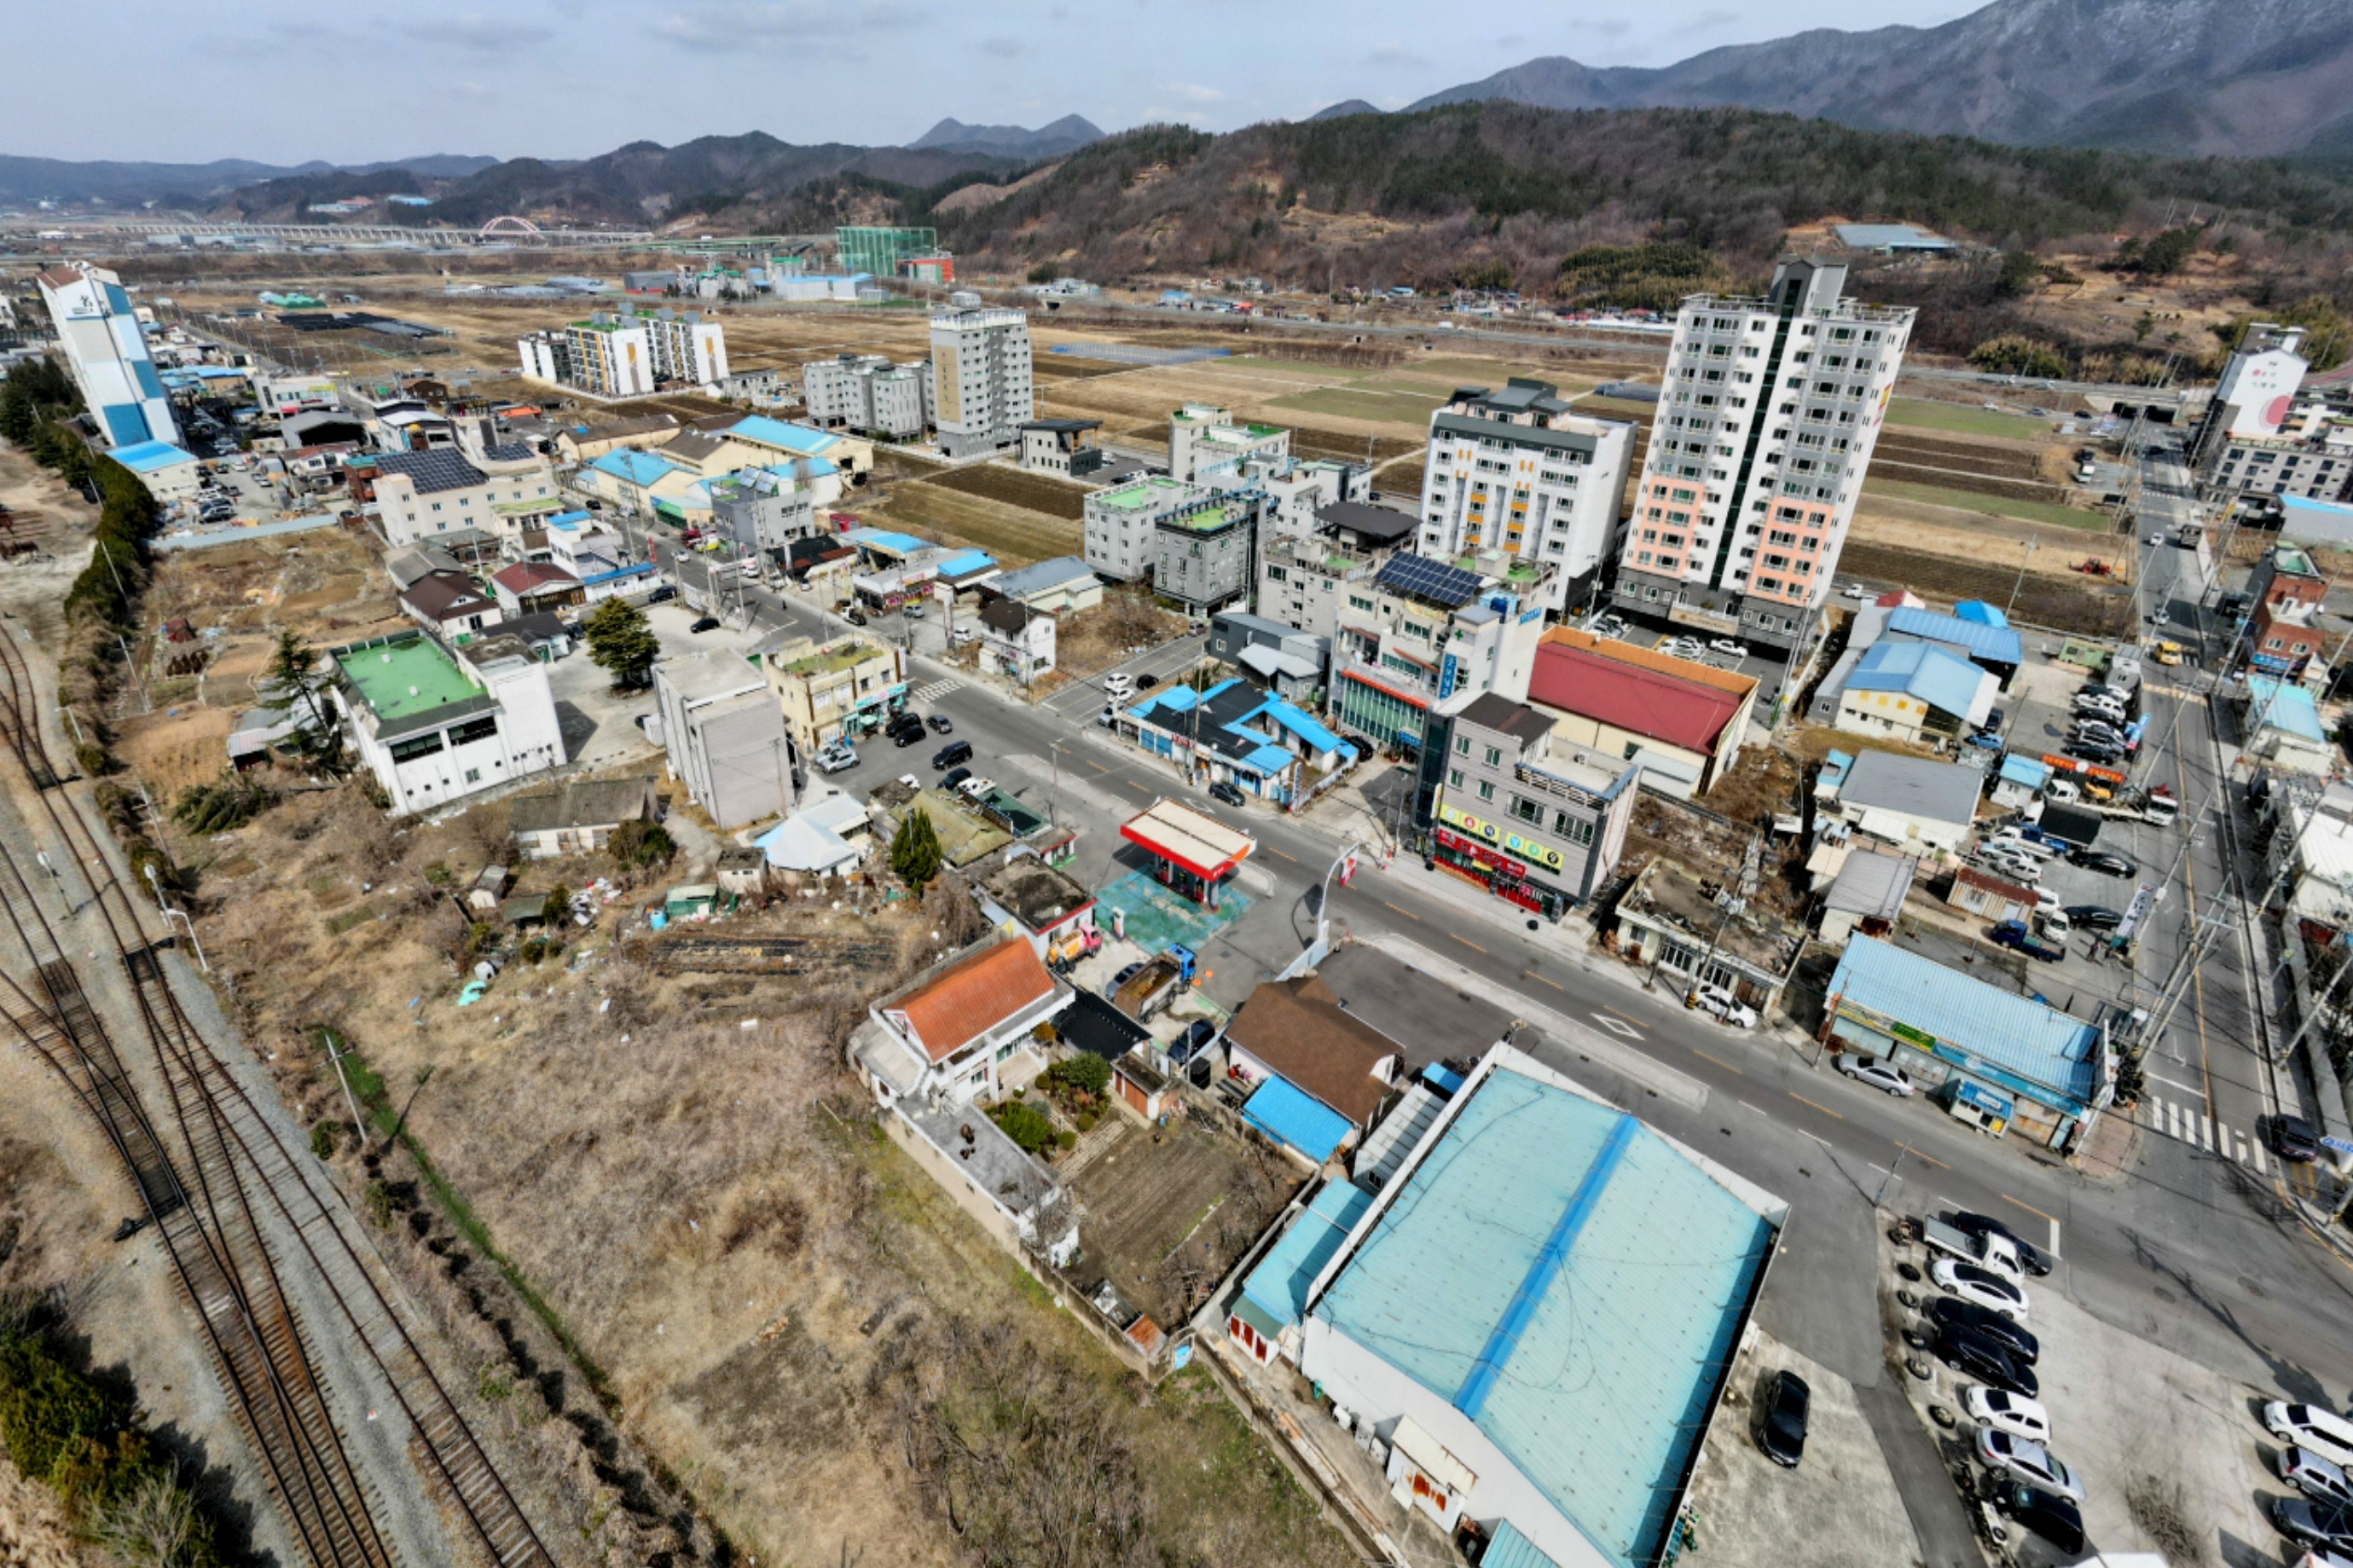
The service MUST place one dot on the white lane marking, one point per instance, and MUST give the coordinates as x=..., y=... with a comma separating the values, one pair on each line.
x=1617, y=1026
x=2205, y=1133
x=2173, y=1083
x=1745, y=1106
x=2258, y=1149
x=2054, y=1238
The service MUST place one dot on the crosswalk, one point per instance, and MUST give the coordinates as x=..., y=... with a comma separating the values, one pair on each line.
x=936, y=690
x=2185, y=1122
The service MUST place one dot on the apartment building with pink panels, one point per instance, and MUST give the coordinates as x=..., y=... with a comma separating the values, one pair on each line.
x=1766, y=420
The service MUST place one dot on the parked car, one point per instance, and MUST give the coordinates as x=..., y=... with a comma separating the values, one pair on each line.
x=2037, y=1262
x=704, y=623
x=835, y=758
x=2313, y=1428
x=2011, y=1412
x=1124, y=975
x=2326, y=1525
x=2048, y=1515
x=2295, y=1139
x=954, y=776
x=940, y=724
x=1229, y=792
x=1974, y=1355
x=1877, y=1071
x=902, y=735
x=1118, y=683
x=2062, y=791
x=2016, y=1341
x=1781, y=1420
x=2094, y=917
x=1726, y=646
x=952, y=753
x=1109, y=716
x=662, y=594
x=2322, y=1480
x=2027, y=1461
x=1146, y=682
x=1982, y=1286
x=1720, y=1003
x=2107, y=862
x=912, y=612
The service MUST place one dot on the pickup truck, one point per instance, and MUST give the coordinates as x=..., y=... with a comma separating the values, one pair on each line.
x=2013, y=934
x=1987, y=1251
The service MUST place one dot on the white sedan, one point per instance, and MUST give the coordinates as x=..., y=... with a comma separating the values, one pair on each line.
x=2029, y=1462
x=1877, y=1071
x=2000, y=1411
x=1982, y=1286
x=1726, y=646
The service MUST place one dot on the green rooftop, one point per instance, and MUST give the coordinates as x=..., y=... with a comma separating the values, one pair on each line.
x=1141, y=494
x=404, y=677
x=830, y=661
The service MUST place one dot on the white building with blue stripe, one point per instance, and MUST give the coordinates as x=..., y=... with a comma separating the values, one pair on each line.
x=106, y=354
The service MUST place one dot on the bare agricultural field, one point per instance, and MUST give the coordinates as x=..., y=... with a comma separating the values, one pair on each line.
x=2040, y=599
x=1015, y=535
x=1376, y=406
x=1033, y=492
x=1171, y=1210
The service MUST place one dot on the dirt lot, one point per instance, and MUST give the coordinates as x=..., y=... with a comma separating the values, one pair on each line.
x=1031, y=492
x=1170, y=1210
x=753, y=1282
x=1088, y=642
x=1015, y=535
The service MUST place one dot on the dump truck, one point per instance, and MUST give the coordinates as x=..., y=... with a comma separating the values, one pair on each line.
x=2159, y=805
x=1155, y=982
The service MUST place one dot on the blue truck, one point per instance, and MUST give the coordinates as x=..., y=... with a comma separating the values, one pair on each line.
x=2017, y=936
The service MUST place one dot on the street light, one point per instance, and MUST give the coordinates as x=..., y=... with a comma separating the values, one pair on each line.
x=171, y=914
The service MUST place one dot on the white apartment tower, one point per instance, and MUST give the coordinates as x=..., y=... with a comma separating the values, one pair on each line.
x=107, y=356
x=980, y=380
x=1520, y=471
x=1765, y=424
x=868, y=393
x=627, y=355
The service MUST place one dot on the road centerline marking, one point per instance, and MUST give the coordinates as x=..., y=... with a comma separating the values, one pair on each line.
x=1817, y=1105
x=1725, y=1065
x=1401, y=910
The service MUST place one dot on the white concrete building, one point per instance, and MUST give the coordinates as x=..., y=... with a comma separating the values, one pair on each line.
x=1519, y=471
x=869, y=394
x=981, y=380
x=1297, y=488
x=1119, y=524
x=725, y=730
x=628, y=354
x=106, y=354
x=434, y=724
x=1766, y=425
x=1205, y=444
x=501, y=491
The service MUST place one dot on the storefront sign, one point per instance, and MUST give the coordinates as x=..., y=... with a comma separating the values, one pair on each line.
x=1526, y=849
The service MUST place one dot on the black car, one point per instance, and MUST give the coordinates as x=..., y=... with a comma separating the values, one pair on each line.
x=952, y=753
x=1195, y=1039
x=704, y=623
x=1970, y=1223
x=855, y=617
x=1968, y=1352
x=1146, y=682
x=953, y=777
x=2106, y=862
x=1227, y=791
x=905, y=723
x=662, y=594
x=940, y=725
x=2047, y=1514
x=2094, y=917
x=2020, y=1346
x=903, y=738
x=2295, y=1139
x=2327, y=1525
x=1781, y=1422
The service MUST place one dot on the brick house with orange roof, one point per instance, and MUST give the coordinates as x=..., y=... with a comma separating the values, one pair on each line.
x=964, y=1029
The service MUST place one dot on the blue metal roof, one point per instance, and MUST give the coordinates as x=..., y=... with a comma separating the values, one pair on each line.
x=1979, y=611
x=2276, y=705
x=2027, y=1044
x=1998, y=644
x=1509, y=1549
x=147, y=457
x=1918, y=669
x=1279, y=1284
x=633, y=467
x=2025, y=771
x=970, y=561
x=1291, y=1115
x=766, y=432
x=883, y=538
x=1573, y=1283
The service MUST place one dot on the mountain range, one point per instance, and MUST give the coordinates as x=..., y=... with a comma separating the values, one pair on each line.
x=1065, y=136
x=27, y=180
x=2242, y=77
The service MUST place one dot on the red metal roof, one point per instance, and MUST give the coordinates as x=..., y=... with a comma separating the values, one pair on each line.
x=526, y=576
x=975, y=995
x=1640, y=702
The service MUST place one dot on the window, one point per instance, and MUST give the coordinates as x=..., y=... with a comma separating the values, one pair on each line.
x=418, y=746
x=1462, y=745
x=475, y=729
x=1527, y=811
x=1454, y=778
x=1486, y=790
x=1494, y=757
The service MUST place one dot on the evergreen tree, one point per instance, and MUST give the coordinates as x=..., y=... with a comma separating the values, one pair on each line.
x=915, y=850
x=622, y=644
x=295, y=682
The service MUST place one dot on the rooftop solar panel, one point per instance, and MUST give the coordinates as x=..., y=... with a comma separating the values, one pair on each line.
x=430, y=471
x=1431, y=580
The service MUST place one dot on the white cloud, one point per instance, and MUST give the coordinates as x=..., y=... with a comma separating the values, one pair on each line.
x=1189, y=92
x=725, y=25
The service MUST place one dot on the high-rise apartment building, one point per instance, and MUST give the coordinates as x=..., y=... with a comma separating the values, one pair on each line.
x=106, y=354
x=980, y=380
x=868, y=393
x=1520, y=471
x=628, y=354
x=1765, y=424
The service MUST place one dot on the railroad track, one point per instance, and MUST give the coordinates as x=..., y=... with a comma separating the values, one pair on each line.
x=238, y=1162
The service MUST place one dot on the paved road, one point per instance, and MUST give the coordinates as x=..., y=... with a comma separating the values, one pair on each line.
x=2191, y=1249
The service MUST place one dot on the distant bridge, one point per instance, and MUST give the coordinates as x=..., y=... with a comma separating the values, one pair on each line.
x=498, y=231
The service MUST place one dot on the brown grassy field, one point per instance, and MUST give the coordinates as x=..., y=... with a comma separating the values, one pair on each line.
x=1032, y=492
x=1015, y=535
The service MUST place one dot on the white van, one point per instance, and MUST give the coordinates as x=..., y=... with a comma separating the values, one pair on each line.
x=2312, y=1429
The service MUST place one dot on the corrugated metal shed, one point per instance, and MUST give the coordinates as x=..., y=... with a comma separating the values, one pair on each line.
x=2017, y=1033
x=1919, y=669
x=1509, y=1549
x=1998, y=644
x=1279, y=1284
x=1571, y=1281
x=1290, y=1115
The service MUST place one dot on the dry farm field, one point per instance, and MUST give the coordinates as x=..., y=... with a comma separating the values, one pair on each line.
x=1032, y=492
x=1015, y=535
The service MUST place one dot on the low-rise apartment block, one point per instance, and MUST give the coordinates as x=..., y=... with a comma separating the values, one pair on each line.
x=1204, y=556
x=501, y=490
x=1119, y=524
x=866, y=393
x=1068, y=447
x=2267, y=433
x=1538, y=821
x=1205, y=444
x=1421, y=631
x=1681, y=722
x=724, y=728
x=628, y=354
x=434, y=724
x=2284, y=632
x=1520, y=471
x=833, y=690
x=1299, y=490
x=1302, y=578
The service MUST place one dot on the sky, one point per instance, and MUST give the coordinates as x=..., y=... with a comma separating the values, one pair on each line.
x=360, y=80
